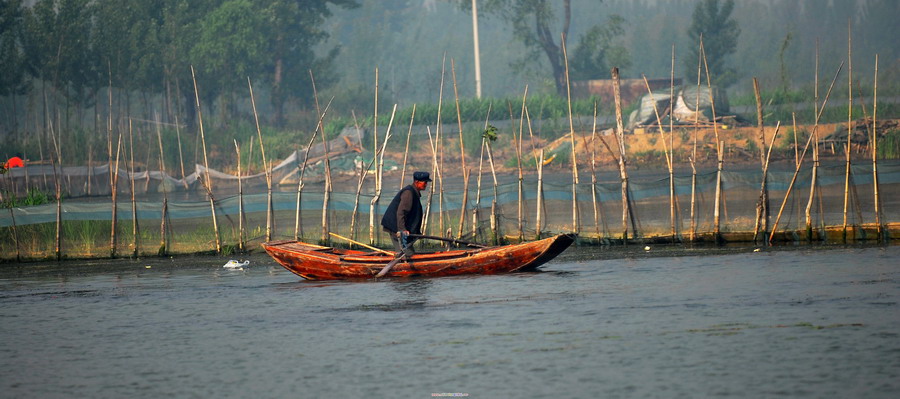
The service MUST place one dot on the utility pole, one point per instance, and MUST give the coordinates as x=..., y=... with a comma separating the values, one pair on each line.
x=477, y=52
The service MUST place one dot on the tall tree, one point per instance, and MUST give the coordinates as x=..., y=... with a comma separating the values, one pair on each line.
x=294, y=31
x=230, y=46
x=597, y=51
x=12, y=59
x=536, y=24
x=56, y=43
x=720, y=34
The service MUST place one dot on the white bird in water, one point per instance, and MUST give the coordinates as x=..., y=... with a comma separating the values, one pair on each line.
x=233, y=264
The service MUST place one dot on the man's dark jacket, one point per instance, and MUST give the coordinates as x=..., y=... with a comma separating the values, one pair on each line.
x=412, y=217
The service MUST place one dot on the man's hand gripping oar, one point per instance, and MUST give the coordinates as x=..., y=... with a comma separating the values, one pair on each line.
x=402, y=255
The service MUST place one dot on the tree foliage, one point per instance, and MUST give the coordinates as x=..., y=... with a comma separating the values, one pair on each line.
x=536, y=24
x=147, y=46
x=720, y=36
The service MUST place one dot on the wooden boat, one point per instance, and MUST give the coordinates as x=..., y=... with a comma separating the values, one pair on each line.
x=315, y=262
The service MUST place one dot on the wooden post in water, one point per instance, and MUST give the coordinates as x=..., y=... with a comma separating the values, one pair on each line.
x=53, y=163
x=326, y=238
x=237, y=150
x=180, y=155
x=377, y=176
x=575, y=224
x=298, y=225
x=814, y=183
x=693, y=159
x=477, y=208
x=163, y=237
x=875, y=184
x=208, y=180
x=462, y=156
x=113, y=241
x=803, y=155
x=15, y=231
x=623, y=171
x=521, y=180
x=406, y=151
x=762, y=205
x=134, y=221
x=379, y=181
x=434, y=166
x=849, y=128
x=594, y=199
x=270, y=217
x=673, y=210
x=538, y=219
x=719, y=160
x=662, y=135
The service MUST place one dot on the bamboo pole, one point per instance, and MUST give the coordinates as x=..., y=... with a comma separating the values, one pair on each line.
x=90, y=165
x=208, y=181
x=359, y=185
x=462, y=155
x=575, y=226
x=814, y=184
x=298, y=225
x=593, y=175
x=693, y=159
x=134, y=224
x=237, y=150
x=406, y=151
x=180, y=154
x=803, y=155
x=325, y=239
x=477, y=207
x=113, y=242
x=623, y=171
x=15, y=231
x=377, y=176
x=875, y=184
x=720, y=163
x=434, y=166
x=250, y=158
x=379, y=181
x=662, y=135
x=762, y=205
x=163, y=237
x=438, y=139
x=478, y=193
x=765, y=172
x=671, y=158
x=270, y=217
x=849, y=128
x=538, y=217
x=362, y=179
x=521, y=178
x=108, y=131
x=53, y=163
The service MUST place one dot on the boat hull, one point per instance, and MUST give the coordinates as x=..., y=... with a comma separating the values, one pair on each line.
x=314, y=262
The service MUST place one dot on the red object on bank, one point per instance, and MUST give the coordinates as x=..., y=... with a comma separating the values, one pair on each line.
x=15, y=162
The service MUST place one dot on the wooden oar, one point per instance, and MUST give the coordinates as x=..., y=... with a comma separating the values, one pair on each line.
x=362, y=245
x=390, y=265
x=471, y=244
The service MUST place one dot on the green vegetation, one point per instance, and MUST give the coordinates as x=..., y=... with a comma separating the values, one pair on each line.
x=889, y=145
x=720, y=37
x=33, y=197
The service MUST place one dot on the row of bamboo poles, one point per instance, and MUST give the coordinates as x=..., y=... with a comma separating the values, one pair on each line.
x=436, y=146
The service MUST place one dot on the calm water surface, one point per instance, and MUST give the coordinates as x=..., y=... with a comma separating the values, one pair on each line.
x=776, y=323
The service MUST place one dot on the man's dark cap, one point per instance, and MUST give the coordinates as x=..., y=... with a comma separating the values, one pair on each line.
x=421, y=176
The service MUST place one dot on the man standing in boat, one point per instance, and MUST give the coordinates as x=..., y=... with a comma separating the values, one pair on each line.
x=404, y=215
